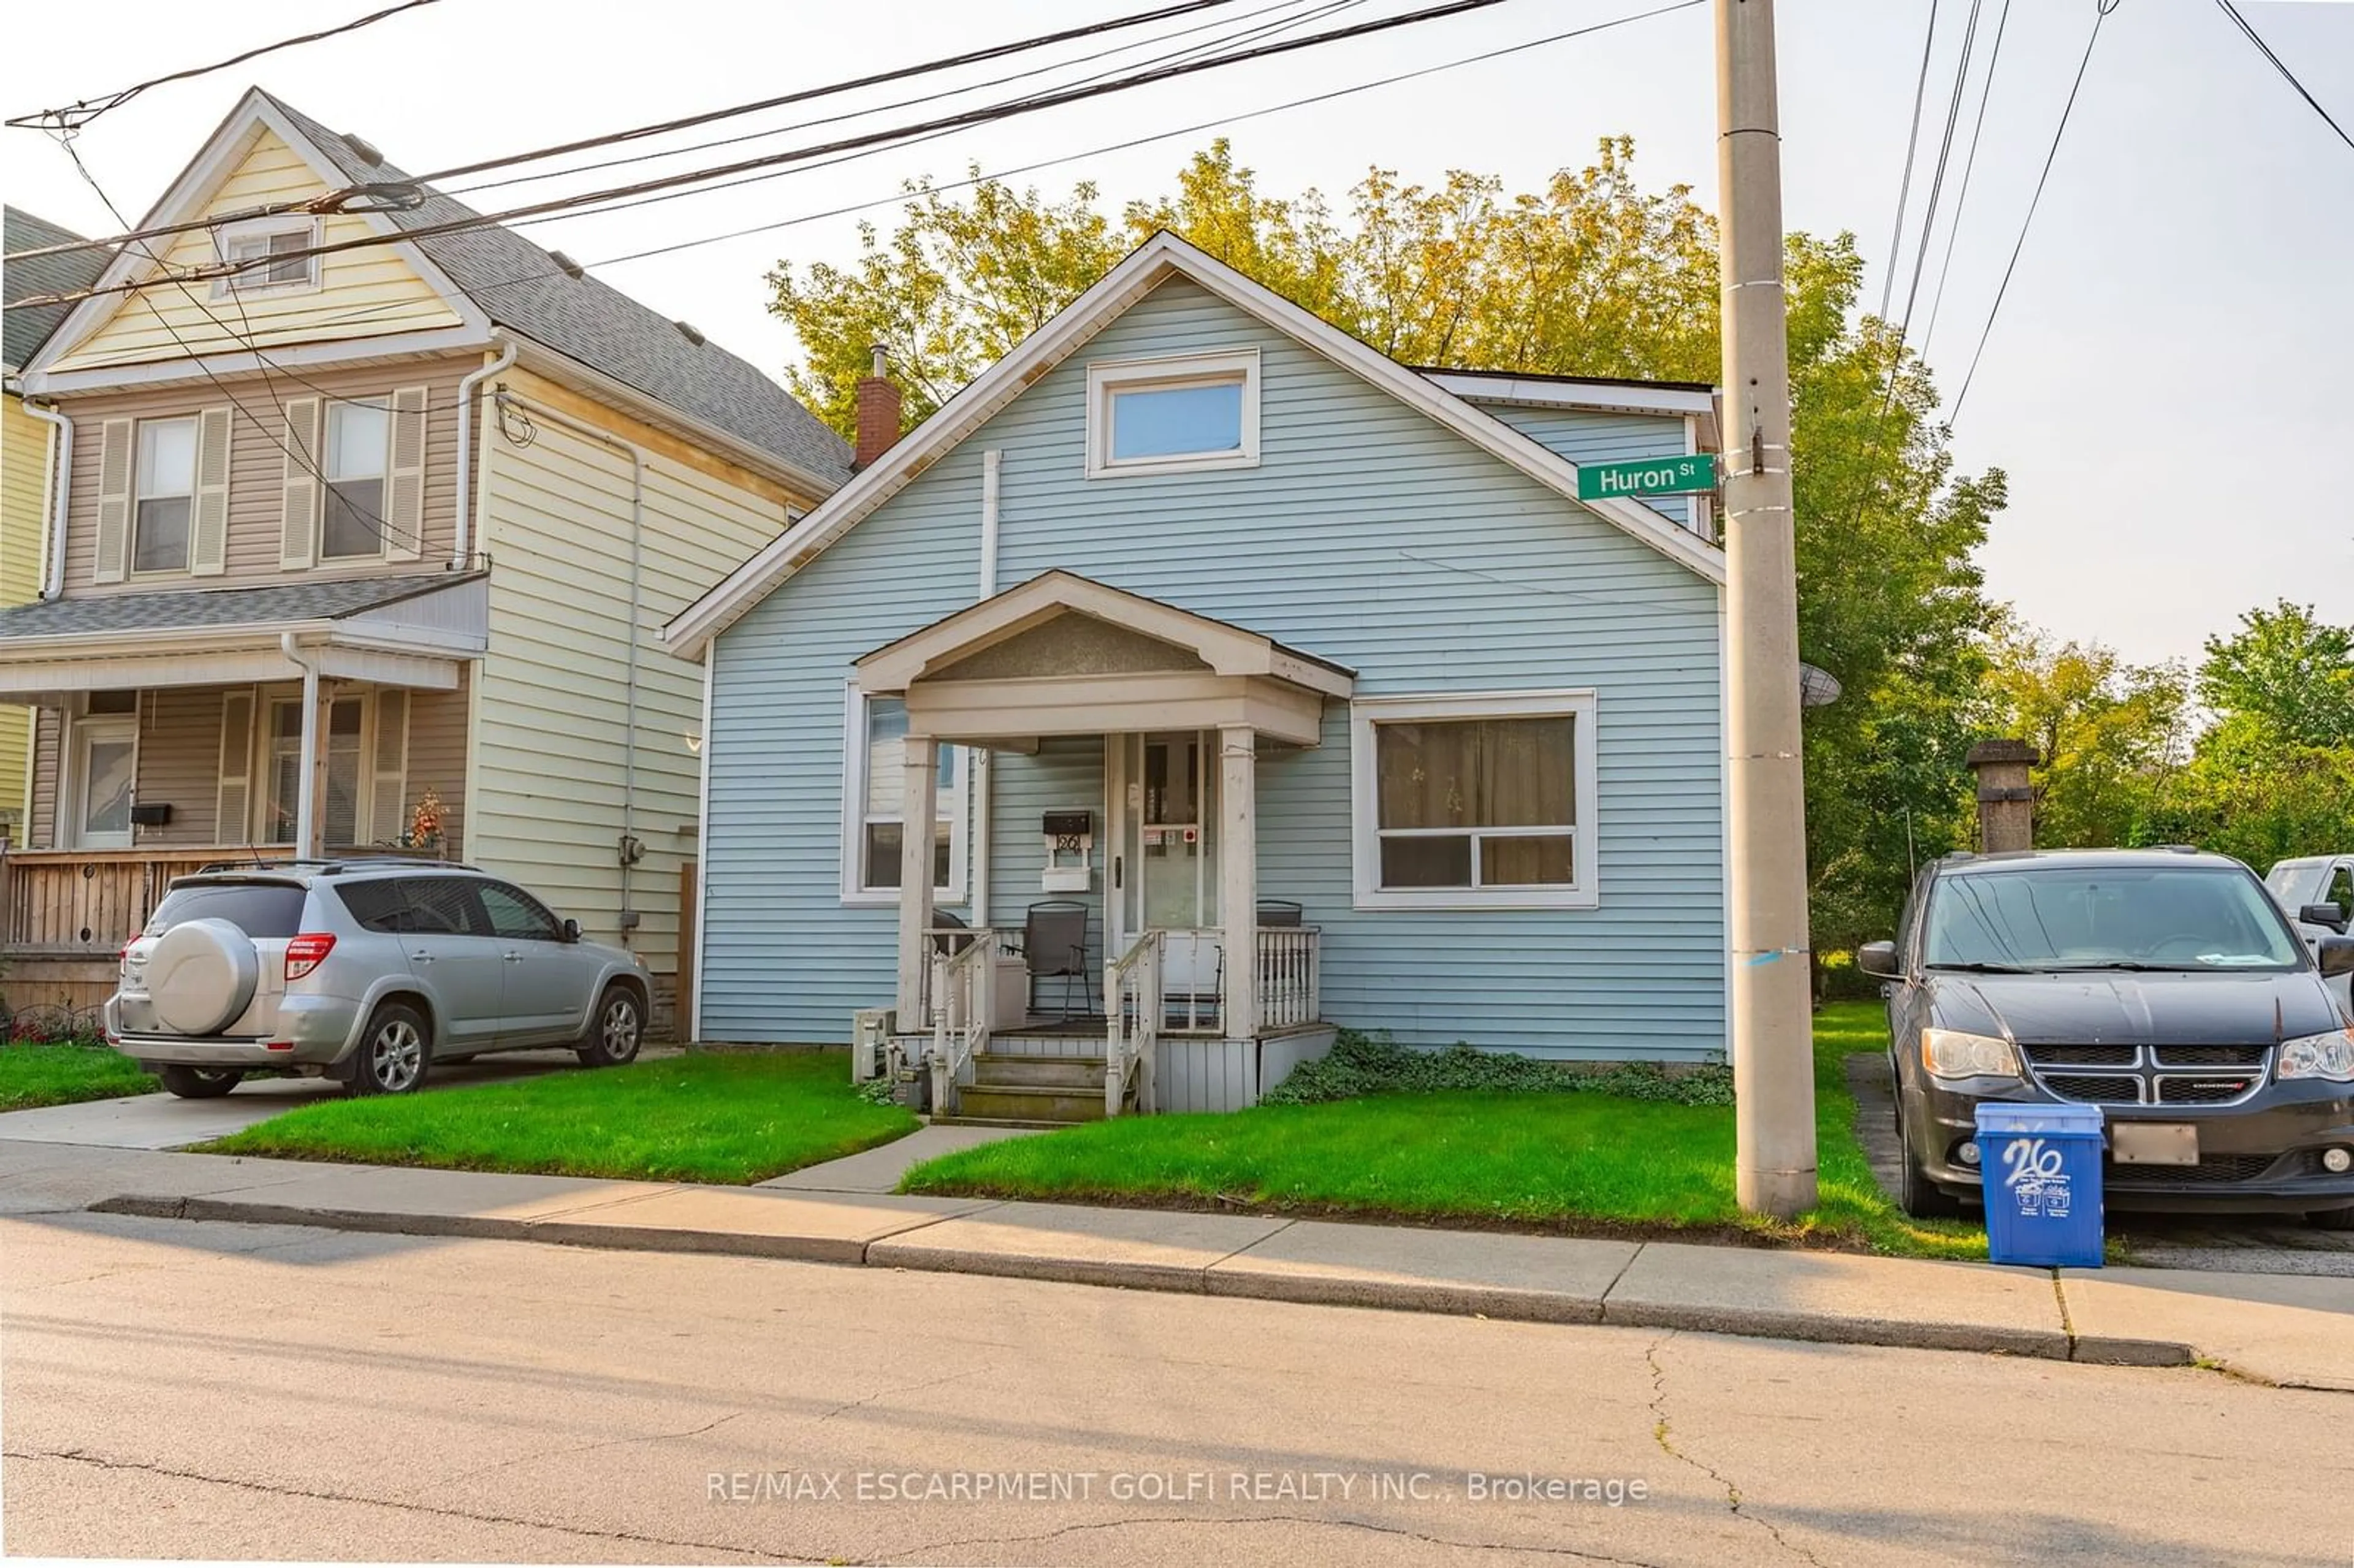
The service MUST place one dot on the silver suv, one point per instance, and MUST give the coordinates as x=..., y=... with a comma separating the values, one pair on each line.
x=366, y=971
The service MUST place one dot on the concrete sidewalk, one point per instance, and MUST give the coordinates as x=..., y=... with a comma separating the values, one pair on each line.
x=2298, y=1331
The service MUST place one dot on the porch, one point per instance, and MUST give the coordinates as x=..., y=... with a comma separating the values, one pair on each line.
x=172, y=734
x=1146, y=904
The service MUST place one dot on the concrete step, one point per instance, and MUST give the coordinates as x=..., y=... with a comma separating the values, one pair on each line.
x=995, y=1069
x=1031, y=1102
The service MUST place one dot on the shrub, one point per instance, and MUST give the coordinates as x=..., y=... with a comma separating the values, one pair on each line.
x=1362, y=1063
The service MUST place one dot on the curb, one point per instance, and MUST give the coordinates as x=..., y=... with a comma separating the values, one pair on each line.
x=1266, y=1284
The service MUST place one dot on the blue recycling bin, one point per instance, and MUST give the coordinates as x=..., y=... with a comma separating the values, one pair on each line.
x=2041, y=1170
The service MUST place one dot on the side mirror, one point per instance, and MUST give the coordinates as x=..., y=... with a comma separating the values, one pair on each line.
x=2335, y=957
x=1879, y=959
x=2327, y=916
x=572, y=930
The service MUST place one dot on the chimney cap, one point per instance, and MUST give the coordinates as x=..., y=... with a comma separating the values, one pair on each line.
x=880, y=360
x=565, y=264
x=1988, y=753
x=363, y=148
x=687, y=331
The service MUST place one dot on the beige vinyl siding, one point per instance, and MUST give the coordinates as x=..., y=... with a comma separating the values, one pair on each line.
x=179, y=766
x=366, y=292
x=23, y=511
x=48, y=739
x=553, y=692
x=437, y=759
x=257, y=469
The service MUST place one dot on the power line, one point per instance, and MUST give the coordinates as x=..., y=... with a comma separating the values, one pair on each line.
x=1929, y=212
x=1969, y=166
x=1912, y=148
x=2100, y=14
x=364, y=312
x=947, y=62
x=2280, y=66
x=1328, y=7
x=770, y=165
x=83, y=111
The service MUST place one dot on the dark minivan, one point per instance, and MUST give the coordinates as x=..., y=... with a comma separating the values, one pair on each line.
x=2165, y=985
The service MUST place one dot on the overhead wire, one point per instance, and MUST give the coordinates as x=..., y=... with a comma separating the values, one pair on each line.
x=2100, y=14
x=772, y=165
x=1912, y=150
x=81, y=111
x=1969, y=168
x=2280, y=66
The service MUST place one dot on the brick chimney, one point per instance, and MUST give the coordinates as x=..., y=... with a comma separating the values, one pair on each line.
x=2006, y=798
x=879, y=402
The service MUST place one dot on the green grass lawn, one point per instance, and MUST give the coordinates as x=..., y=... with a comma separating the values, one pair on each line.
x=1582, y=1162
x=44, y=1075
x=705, y=1117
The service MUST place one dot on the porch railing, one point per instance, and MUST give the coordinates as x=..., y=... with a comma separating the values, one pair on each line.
x=1290, y=978
x=963, y=1001
x=94, y=900
x=1132, y=1012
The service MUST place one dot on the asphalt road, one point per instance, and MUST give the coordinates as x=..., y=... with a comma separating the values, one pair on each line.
x=169, y=1389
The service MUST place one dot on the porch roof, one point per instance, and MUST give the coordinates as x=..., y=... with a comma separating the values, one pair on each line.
x=1063, y=654
x=409, y=629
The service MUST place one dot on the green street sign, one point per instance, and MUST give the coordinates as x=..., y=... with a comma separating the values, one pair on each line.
x=1647, y=476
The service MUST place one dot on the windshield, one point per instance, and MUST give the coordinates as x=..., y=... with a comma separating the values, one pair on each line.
x=2093, y=918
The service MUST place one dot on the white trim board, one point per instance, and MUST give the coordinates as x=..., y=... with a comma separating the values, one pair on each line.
x=1145, y=268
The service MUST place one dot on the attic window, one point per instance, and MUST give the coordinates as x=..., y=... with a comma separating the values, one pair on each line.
x=280, y=251
x=1169, y=415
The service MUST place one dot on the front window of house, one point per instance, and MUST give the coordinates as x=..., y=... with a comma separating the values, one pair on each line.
x=168, y=487
x=359, y=437
x=1482, y=801
x=878, y=756
x=1165, y=416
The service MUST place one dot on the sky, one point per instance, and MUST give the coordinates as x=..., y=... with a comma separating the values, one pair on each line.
x=2163, y=385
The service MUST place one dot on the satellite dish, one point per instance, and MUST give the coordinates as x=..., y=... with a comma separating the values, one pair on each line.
x=1817, y=688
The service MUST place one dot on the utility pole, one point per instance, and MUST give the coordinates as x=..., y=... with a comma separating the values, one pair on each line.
x=1773, y=1046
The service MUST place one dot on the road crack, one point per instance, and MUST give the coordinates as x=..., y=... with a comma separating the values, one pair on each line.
x=99, y=1461
x=1662, y=1433
x=578, y=1448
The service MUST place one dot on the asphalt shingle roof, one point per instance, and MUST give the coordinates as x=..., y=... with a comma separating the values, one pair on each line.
x=27, y=328
x=519, y=286
x=216, y=607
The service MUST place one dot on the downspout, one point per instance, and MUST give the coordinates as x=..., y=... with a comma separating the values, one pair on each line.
x=978, y=765
x=306, y=783
x=466, y=502
x=629, y=849
x=56, y=482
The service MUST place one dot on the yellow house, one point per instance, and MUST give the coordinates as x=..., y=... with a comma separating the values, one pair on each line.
x=405, y=517
x=27, y=452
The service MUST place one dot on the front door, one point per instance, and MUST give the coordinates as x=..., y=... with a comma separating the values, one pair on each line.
x=1167, y=789
x=105, y=771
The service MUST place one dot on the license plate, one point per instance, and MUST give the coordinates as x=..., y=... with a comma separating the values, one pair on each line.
x=2153, y=1143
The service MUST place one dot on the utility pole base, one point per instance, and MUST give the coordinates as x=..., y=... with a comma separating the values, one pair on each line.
x=1779, y=1195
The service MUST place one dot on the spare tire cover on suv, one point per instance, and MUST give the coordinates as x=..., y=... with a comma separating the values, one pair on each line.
x=201, y=975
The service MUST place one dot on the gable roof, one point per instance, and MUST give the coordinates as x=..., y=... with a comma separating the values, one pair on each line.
x=1220, y=645
x=505, y=280
x=1155, y=261
x=28, y=326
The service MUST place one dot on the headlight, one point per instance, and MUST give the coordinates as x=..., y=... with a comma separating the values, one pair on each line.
x=2327, y=1055
x=1951, y=1053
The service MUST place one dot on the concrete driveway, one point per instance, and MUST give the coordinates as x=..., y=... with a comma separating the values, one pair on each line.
x=165, y=1121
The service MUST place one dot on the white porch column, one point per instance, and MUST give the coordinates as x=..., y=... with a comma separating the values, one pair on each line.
x=918, y=826
x=1238, y=868
x=307, y=826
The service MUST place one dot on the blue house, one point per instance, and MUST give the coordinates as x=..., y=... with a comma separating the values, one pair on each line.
x=1195, y=630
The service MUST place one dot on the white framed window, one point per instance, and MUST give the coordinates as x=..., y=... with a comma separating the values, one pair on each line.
x=1476, y=802
x=358, y=455
x=282, y=245
x=1172, y=415
x=875, y=737
x=167, y=495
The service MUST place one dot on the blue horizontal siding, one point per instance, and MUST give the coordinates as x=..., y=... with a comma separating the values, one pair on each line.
x=1590, y=434
x=1367, y=534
